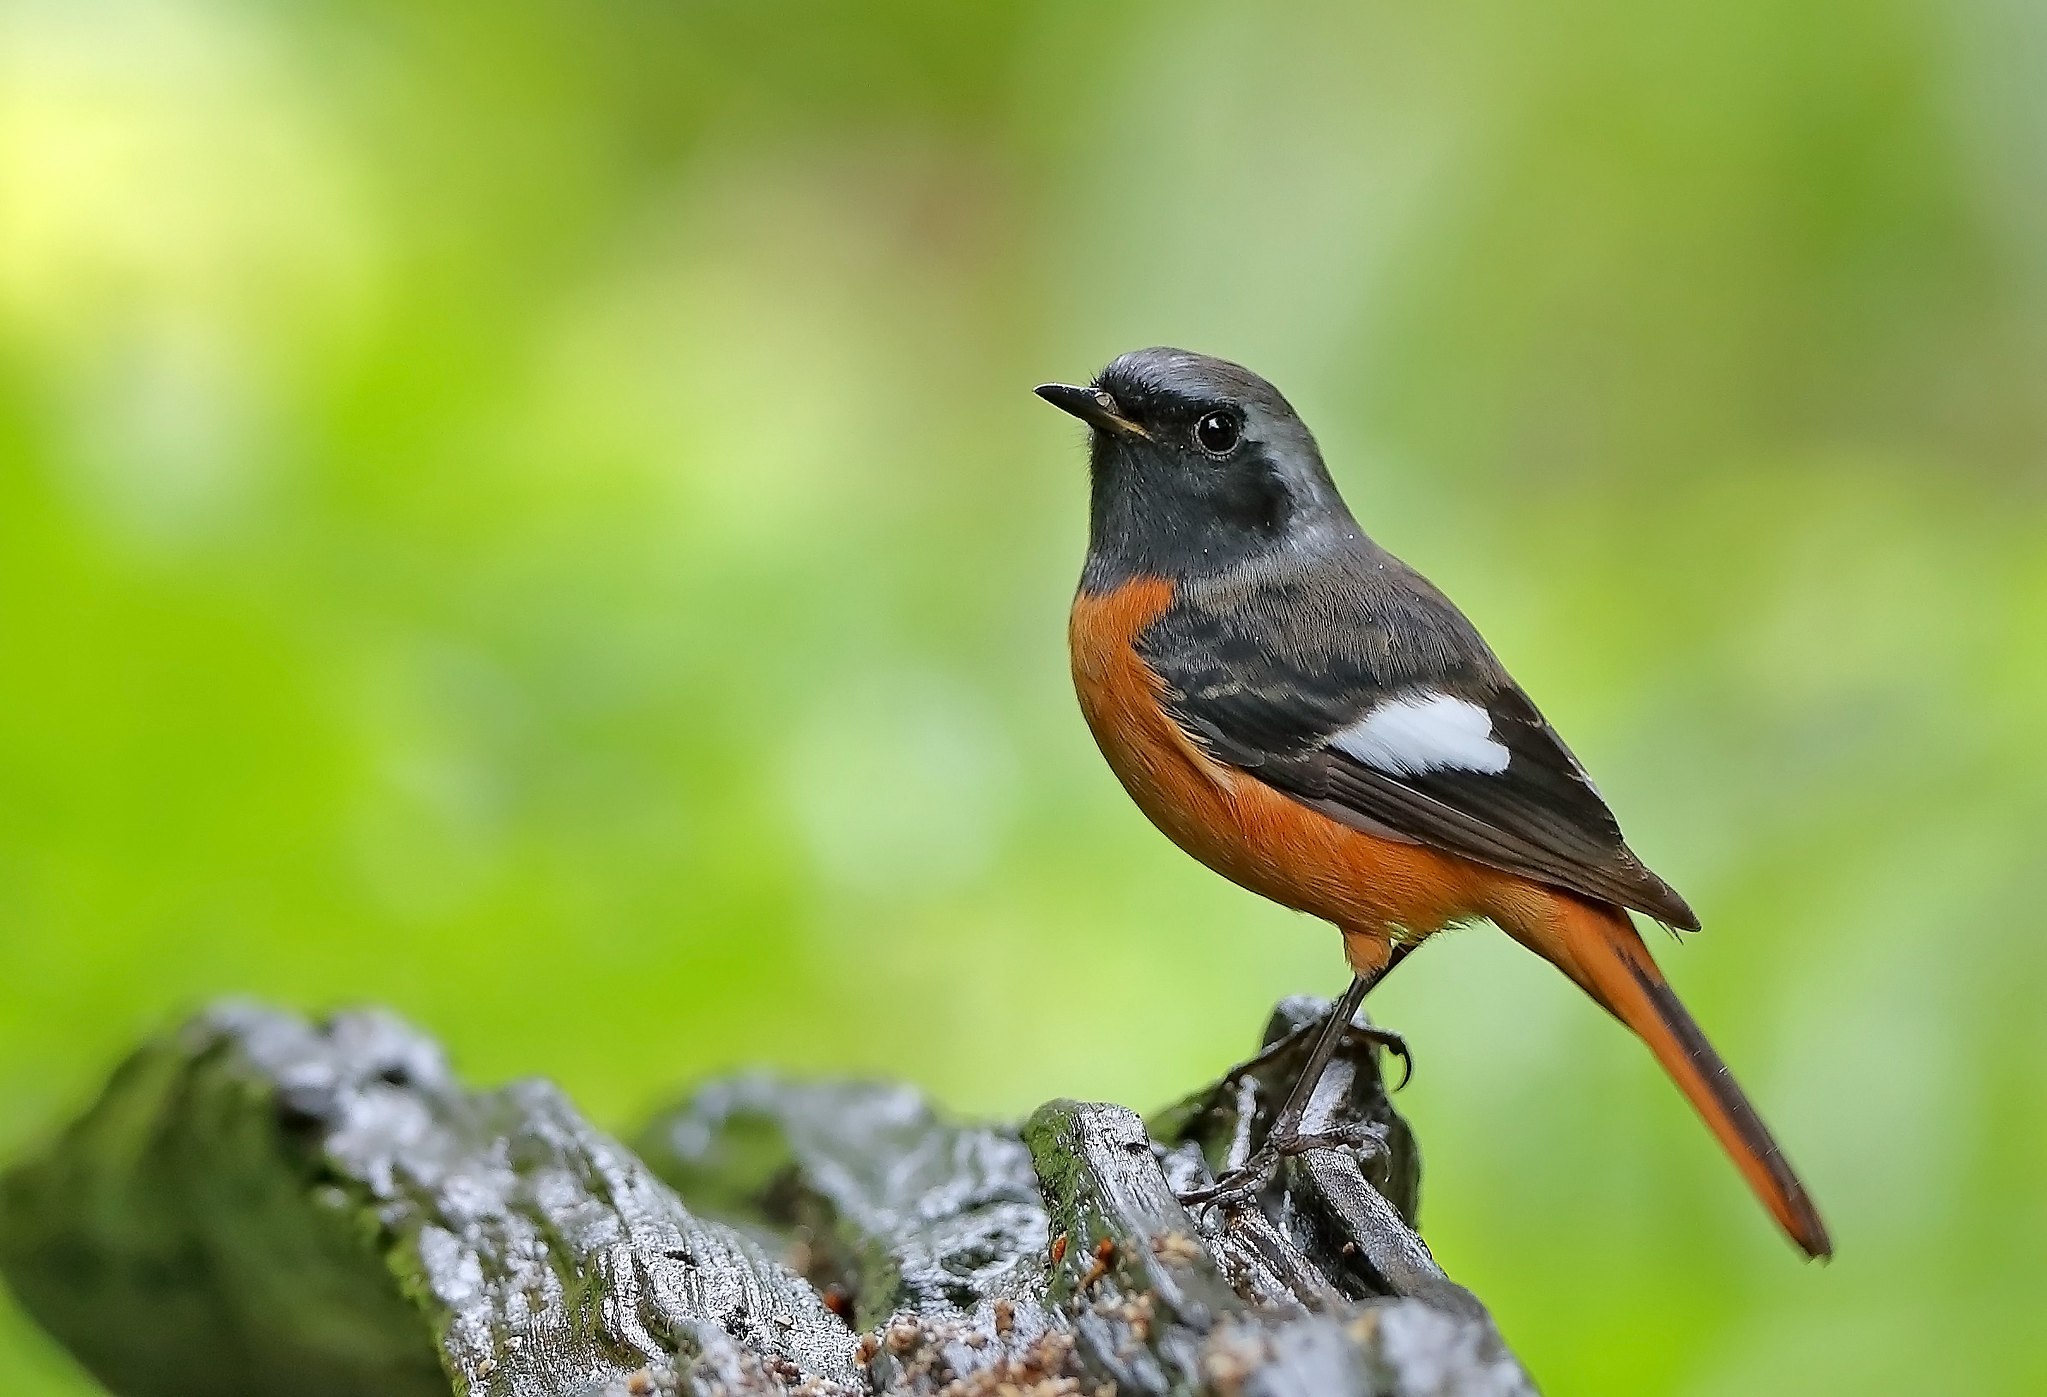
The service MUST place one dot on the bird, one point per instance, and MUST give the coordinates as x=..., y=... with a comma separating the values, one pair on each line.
x=1312, y=719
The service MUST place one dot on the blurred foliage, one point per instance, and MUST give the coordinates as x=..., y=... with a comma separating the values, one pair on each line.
x=533, y=513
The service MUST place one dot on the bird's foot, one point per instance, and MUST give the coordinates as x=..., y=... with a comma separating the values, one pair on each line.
x=1249, y=1178
x=1392, y=1042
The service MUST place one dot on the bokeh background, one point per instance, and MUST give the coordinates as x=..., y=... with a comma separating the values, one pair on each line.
x=532, y=513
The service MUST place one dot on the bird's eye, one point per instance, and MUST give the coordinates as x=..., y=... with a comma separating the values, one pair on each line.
x=1218, y=433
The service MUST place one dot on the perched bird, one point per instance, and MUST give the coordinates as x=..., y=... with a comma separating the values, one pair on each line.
x=1309, y=717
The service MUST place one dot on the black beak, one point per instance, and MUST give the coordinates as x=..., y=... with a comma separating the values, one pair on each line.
x=1092, y=406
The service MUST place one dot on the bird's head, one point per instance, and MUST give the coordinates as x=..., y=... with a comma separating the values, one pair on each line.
x=1197, y=464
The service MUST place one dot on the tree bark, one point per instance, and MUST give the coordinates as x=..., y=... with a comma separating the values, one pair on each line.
x=259, y=1205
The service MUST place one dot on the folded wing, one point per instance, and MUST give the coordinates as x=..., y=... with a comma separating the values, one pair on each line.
x=1356, y=688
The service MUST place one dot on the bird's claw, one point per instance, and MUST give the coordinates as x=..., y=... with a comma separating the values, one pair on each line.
x=1246, y=1180
x=1393, y=1043
x=1346, y=1137
x=1237, y=1185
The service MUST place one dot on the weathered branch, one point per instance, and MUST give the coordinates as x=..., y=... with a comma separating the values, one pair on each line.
x=256, y=1205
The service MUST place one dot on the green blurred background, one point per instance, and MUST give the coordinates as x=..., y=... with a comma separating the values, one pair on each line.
x=534, y=514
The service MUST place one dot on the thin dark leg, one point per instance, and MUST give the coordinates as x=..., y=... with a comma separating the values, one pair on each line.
x=1287, y=1042
x=1288, y=1122
x=1285, y=1138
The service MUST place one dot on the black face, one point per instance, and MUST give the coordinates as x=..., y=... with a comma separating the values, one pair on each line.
x=1197, y=465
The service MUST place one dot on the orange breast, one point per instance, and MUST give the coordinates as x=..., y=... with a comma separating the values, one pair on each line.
x=1258, y=838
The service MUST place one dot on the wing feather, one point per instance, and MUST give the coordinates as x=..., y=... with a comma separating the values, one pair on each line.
x=1267, y=669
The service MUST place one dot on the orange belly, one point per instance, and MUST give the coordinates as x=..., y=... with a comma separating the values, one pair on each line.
x=1378, y=891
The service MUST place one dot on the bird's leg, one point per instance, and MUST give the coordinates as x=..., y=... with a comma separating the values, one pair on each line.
x=1393, y=1042
x=1286, y=1138
x=1285, y=1134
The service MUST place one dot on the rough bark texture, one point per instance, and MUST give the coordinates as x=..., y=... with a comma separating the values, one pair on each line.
x=259, y=1205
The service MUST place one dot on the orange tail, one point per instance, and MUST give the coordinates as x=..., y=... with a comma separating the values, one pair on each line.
x=1598, y=947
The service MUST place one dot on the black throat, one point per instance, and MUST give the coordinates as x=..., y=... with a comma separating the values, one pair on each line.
x=1154, y=517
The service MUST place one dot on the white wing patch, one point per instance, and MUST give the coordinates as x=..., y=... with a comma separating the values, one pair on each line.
x=1425, y=732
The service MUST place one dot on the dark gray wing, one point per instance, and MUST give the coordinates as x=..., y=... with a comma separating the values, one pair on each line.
x=1355, y=687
